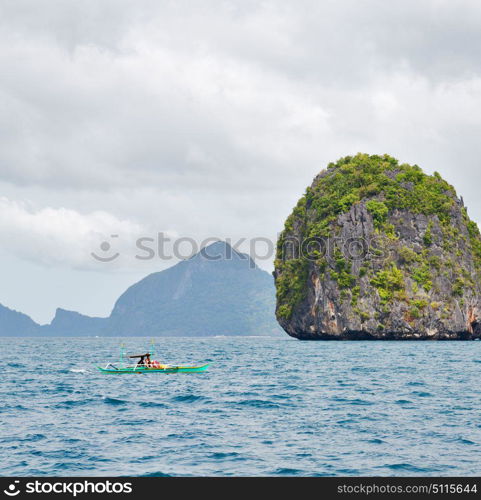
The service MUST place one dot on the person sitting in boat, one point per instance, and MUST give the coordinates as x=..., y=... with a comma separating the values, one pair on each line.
x=144, y=360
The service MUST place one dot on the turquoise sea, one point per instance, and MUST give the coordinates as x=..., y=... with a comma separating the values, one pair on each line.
x=266, y=407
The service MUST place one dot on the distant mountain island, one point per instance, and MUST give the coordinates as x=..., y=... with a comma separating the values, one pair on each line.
x=216, y=292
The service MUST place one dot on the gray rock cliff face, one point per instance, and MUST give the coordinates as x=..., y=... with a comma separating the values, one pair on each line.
x=389, y=266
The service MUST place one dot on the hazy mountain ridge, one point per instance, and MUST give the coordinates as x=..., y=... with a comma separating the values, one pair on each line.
x=74, y=323
x=217, y=292
x=21, y=324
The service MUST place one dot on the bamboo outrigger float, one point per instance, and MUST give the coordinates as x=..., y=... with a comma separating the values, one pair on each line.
x=146, y=365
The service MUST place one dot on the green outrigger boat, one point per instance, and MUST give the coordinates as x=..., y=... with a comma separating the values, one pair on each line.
x=168, y=369
x=145, y=365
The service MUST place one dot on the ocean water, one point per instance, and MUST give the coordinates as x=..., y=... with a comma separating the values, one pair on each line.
x=273, y=407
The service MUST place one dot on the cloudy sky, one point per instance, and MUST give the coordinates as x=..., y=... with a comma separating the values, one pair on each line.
x=209, y=119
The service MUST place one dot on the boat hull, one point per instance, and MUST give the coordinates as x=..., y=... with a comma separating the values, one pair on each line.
x=169, y=369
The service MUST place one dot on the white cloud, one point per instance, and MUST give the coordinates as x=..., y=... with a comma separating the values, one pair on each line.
x=60, y=236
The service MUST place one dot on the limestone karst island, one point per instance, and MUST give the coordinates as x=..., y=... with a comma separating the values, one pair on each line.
x=376, y=249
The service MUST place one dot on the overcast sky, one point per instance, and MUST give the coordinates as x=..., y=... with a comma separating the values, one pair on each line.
x=209, y=119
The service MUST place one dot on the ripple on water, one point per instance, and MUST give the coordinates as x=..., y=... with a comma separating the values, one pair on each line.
x=406, y=467
x=259, y=403
x=354, y=401
x=188, y=398
x=286, y=471
x=421, y=394
x=152, y=404
x=114, y=401
x=73, y=403
x=226, y=455
x=465, y=441
x=375, y=441
x=155, y=474
x=32, y=438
